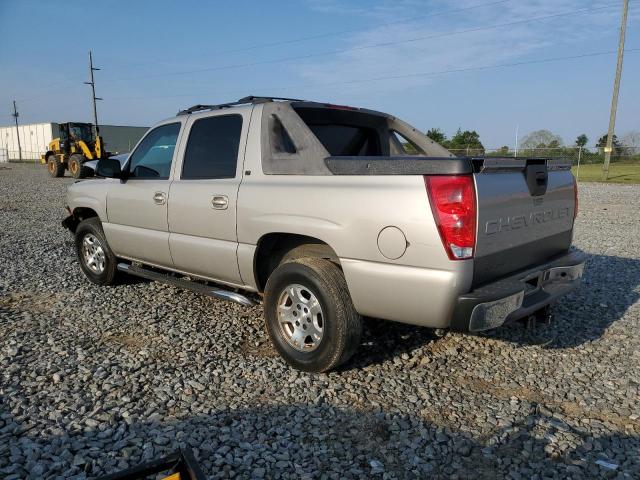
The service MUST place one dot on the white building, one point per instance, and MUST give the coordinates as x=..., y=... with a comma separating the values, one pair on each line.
x=35, y=137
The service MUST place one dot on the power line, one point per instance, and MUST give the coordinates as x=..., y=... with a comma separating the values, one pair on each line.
x=371, y=46
x=298, y=40
x=401, y=76
x=363, y=47
x=351, y=30
x=489, y=67
x=291, y=41
x=52, y=86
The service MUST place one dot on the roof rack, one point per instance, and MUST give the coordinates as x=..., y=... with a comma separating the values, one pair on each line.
x=251, y=99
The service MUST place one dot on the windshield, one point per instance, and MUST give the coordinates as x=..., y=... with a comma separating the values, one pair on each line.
x=80, y=132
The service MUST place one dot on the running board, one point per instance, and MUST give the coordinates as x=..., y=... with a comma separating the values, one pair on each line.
x=187, y=284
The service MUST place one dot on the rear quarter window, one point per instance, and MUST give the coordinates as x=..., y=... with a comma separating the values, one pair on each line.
x=347, y=140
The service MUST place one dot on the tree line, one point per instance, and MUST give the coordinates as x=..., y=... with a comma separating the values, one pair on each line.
x=542, y=143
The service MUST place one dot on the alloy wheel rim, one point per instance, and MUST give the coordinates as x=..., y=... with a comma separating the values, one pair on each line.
x=300, y=318
x=93, y=254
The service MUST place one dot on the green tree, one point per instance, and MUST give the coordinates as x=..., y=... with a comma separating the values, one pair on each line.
x=467, y=141
x=581, y=140
x=615, y=143
x=541, y=139
x=437, y=135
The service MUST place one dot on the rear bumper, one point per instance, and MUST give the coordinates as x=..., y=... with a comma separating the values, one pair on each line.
x=519, y=295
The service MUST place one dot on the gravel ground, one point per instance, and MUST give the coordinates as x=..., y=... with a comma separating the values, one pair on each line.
x=93, y=380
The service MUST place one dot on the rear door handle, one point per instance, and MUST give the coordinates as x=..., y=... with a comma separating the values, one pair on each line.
x=219, y=202
x=159, y=198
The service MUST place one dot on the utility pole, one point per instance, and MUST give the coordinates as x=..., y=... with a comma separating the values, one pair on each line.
x=616, y=88
x=96, y=129
x=15, y=116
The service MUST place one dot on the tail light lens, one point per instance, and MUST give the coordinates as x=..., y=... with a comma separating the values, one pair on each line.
x=453, y=202
x=575, y=198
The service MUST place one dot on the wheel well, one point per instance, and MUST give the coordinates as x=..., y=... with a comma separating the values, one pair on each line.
x=82, y=213
x=79, y=214
x=49, y=152
x=273, y=248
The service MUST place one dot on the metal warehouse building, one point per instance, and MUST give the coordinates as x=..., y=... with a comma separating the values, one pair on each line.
x=35, y=137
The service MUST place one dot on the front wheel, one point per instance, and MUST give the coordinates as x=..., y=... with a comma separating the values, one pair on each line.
x=310, y=316
x=77, y=168
x=97, y=261
x=55, y=166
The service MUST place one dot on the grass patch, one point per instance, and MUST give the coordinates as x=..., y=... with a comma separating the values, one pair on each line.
x=618, y=173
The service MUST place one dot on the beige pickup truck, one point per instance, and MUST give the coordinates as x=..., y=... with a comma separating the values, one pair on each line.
x=326, y=214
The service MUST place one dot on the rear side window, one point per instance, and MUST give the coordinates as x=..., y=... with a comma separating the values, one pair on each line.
x=212, y=148
x=347, y=140
x=347, y=132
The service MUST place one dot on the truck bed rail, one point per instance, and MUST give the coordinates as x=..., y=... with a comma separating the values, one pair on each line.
x=398, y=165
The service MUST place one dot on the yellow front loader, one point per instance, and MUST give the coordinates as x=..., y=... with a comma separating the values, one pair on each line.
x=75, y=146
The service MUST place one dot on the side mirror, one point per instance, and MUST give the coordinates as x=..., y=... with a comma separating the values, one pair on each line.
x=109, y=168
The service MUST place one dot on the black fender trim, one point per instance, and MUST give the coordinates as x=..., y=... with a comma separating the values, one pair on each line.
x=70, y=223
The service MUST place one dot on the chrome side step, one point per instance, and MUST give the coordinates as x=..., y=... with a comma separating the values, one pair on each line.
x=187, y=284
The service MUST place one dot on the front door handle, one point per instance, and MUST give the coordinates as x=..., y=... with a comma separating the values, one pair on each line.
x=160, y=198
x=219, y=202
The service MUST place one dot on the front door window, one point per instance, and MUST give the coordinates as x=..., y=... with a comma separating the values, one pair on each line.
x=152, y=158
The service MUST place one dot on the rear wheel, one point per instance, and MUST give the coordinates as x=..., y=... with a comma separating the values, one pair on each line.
x=55, y=166
x=96, y=259
x=310, y=316
x=76, y=166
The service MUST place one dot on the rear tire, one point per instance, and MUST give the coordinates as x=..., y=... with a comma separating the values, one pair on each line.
x=55, y=166
x=97, y=261
x=76, y=167
x=310, y=316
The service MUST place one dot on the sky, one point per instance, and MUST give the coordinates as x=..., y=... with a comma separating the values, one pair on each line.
x=485, y=65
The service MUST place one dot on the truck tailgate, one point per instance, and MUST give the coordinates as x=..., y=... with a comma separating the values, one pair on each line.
x=525, y=214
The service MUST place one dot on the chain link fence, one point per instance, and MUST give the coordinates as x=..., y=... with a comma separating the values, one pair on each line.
x=588, y=162
x=27, y=156
x=583, y=155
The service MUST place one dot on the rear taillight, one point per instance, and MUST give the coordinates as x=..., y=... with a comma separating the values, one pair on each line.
x=453, y=203
x=575, y=198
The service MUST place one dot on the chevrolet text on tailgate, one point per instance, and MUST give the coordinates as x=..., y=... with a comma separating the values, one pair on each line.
x=327, y=214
